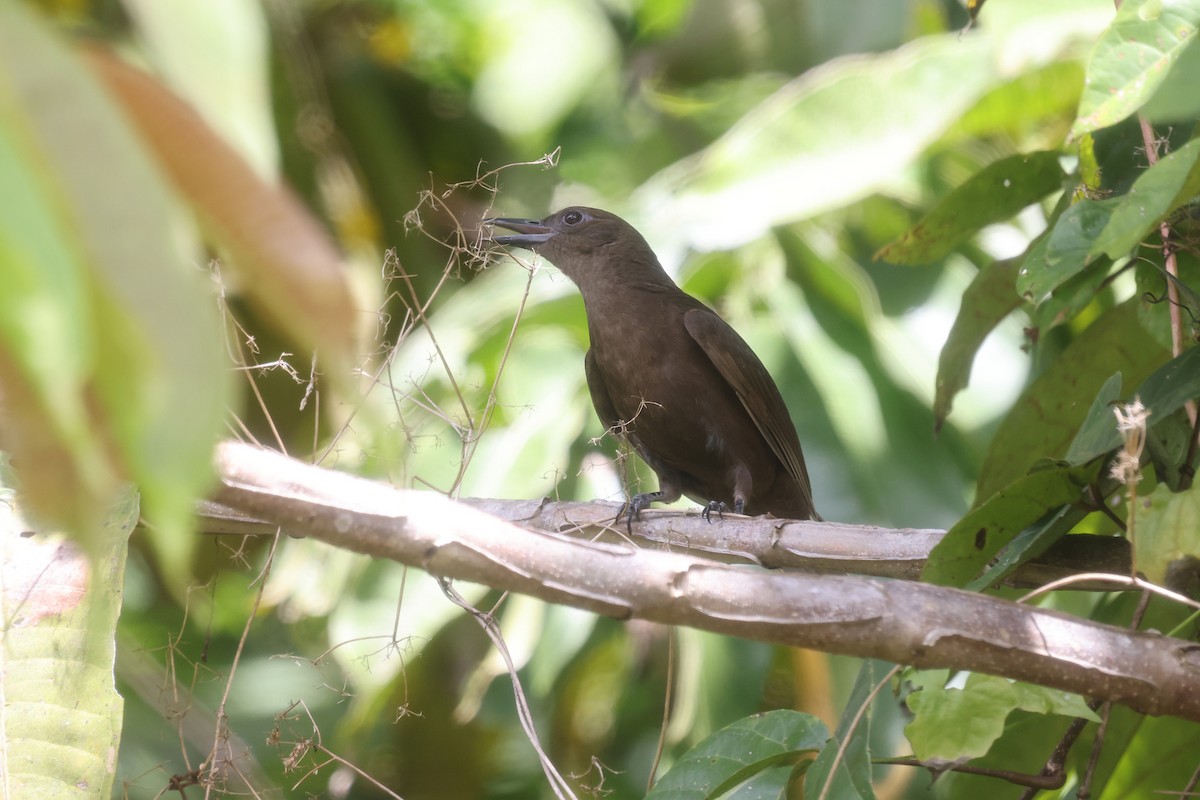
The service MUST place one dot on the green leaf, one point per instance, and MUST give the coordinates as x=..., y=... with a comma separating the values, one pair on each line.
x=1133, y=57
x=816, y=144
x=1025, y=106
x=738, y=752
x=148, y=377
x=853, y=777
x=967, y=548
x=1168, y=530
x=1154, y=284
x=993, y=194
x=951, y=724
x=1065, y=249
x=1098, y=433
x=1155, y=752
x=1163, y=393
x=1070, y=297
x=1031, y=542
x=62, y=713
x=1044, y=422
x=1177, y=99
x=1167, y=185
x=990, y=298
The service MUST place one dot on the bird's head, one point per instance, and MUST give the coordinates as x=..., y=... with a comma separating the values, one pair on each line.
x=585, y=243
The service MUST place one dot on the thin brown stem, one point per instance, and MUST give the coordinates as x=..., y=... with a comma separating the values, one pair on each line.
x=666, y=715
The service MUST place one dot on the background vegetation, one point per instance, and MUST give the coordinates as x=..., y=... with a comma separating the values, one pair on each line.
x=883, y=203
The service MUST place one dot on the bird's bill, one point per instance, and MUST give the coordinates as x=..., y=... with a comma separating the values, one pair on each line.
x=529, y=232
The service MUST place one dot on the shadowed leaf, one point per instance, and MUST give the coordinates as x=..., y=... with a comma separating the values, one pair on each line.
x=968, y=547
x=1064, y=250
x=995, y=193
x=1161, y=189
x=1046, y=419
x=990, y=298
x=737, y=753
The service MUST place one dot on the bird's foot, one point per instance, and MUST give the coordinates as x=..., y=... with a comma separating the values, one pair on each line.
x=714, y=505
x=633, y=509
x=739, y=505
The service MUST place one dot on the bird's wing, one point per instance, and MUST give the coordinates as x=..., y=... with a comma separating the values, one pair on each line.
x=600, y=398
x=740, y=367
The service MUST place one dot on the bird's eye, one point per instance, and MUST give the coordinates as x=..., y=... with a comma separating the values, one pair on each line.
x=573, y=217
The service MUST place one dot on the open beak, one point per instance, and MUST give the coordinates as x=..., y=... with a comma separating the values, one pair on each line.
x=529, y=232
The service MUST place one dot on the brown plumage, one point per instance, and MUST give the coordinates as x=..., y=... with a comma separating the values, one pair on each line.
x=670, y=375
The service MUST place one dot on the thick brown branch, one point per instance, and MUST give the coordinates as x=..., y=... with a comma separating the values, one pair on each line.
x=815, y=546
x=896, y=620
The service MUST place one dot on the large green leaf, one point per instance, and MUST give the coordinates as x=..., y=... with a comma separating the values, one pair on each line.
x=723, y=763
x=149, y=367
x=816, y=144
x=61, y=712
x=951, y=723
x=1044, y=422
x=1026, y=107
x=993, y=194
x=1133, y=58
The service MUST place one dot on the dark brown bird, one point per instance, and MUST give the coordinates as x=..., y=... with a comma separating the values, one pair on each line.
x=670, y=375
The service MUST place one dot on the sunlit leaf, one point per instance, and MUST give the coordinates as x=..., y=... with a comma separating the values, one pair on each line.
x=823, y=140
x=991, y=297
x=1133, y=57
x=1168, y=530
x=952, y=723
x=1038, y=106
x=150, y=370
x=291, y=266
x=523, y=39
x=47, y=350
x=1177, y=99
x=62, y=714
x=994, y=194
x=1046, y=419
x=217, y=56
x=1033, y=541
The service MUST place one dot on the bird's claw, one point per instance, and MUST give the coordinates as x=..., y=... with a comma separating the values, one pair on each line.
x=713, y=505
x=633, y=508
x=739, y=505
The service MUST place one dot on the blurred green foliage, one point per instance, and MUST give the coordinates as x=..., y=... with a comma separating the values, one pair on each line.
x=776, y=154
